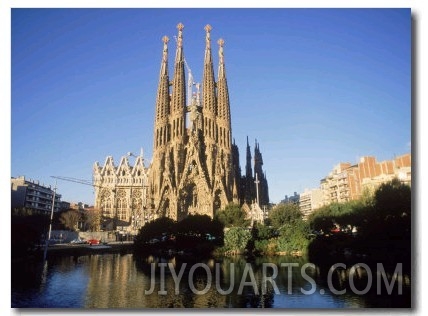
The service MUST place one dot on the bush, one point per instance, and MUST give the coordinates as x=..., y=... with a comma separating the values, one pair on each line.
x=266, y=246
x=294, y=237
x=236, y=239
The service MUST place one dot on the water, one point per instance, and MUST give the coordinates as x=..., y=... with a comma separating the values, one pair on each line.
x=128, y=281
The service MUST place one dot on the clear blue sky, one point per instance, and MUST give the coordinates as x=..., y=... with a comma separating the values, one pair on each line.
x=315, y=87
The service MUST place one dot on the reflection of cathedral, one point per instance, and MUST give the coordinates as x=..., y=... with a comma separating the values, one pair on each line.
x=195, y=166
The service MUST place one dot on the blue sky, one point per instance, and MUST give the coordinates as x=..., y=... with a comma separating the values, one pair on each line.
x=315, y=87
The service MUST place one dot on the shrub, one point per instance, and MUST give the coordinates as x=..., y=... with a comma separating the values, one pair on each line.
x=236, y=239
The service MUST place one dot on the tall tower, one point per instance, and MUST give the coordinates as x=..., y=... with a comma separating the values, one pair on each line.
x=248, y=179
x=224, y=129
x=261, y=176
x=159, y=176
x=192, y=169
x=237, y=186
x=209, y=109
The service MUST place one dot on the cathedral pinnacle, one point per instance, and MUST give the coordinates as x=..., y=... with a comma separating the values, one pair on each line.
x=165, y=41
x=208, y=29
x=220, y=51
x=180, y=28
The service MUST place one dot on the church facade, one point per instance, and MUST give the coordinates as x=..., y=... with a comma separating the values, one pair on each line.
x=195, y=165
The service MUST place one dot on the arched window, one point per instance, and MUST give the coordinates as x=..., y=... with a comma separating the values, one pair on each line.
x=122, y=209
x=107, y=207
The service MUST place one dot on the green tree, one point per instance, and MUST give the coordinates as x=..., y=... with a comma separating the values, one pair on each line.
x=155, y=229
x=348, y=213
x=232, y=216
x=236, y=239
x=284, y=214
x=264, y=232
x=200, y=225
x=294, y=236
x=393, y=199
x=390, y=218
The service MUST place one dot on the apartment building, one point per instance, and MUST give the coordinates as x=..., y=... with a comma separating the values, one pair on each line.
x=348, y=182
x=310, y=200
x=31, y=194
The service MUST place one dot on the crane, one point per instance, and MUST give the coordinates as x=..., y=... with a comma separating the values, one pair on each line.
x=81, y=181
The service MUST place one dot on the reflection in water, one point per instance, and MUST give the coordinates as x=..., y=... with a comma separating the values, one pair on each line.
x=129, y=281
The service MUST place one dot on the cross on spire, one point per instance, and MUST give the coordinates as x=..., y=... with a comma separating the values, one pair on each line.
x=257, y=188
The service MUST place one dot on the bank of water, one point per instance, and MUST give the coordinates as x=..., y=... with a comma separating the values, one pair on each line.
x=130, y=281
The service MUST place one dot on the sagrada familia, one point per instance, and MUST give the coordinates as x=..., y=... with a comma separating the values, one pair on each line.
x=195, y=165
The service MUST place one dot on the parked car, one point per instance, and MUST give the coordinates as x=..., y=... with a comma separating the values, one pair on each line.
x=93, y=242
x=209, y=237
x=154, y=241
x=78, y=241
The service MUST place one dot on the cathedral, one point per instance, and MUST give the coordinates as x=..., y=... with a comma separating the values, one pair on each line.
x=195, y=166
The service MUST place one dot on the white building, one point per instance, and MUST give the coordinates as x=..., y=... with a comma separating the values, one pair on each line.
x=310, y=200
x=121, y=191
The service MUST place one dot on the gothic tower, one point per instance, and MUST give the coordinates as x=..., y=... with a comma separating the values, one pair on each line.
x=192, y=168
x=248, y=180
x=254, y=185
x=260, y=176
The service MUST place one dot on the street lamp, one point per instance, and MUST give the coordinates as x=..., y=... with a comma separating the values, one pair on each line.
x=50, y=224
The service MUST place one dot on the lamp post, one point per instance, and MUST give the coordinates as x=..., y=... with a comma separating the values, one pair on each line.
x=257, y=188
x=50, y=223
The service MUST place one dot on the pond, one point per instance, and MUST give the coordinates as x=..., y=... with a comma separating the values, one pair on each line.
x=130, y=281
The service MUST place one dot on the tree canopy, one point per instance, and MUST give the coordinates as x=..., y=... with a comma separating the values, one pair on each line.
x=284, y=214
x=70, y=219
x=200, y=225
x=232, y=216
x=155, y=228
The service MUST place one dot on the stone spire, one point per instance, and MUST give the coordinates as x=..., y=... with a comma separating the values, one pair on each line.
x=177, y=119
x=223, y=101
x=162, y=101
x=248, y=167
x=209, y=97
x=178, y=101
x=164, y=64
x=221, y=68
x=258, y=169
x=249, y=181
